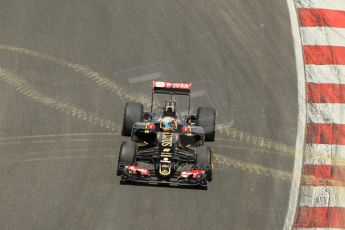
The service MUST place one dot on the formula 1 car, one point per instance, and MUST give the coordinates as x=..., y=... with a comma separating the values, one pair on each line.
x=166, y=147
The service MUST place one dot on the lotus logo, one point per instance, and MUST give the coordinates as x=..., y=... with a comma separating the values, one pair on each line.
x=165, y=169
x=160, y=84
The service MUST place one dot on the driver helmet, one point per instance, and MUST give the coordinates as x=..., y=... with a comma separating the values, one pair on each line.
x=168, y=124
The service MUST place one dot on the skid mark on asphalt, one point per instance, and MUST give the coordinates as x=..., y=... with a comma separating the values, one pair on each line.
x=26, y=89
x=88, y=137
x=146, y=100
x=252, y=168
x=252, y=150
x=70, y=152
x=46, y=138
x=268, y=172
x=64, y=151
x=64, y=158
x=54, y=135
x=220, y=161
x=112, y=86
x=51, y=141
x=84, y=71
x=318, y=157
x=256, y=140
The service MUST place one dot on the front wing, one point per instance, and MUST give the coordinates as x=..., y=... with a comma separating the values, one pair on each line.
x=175, y=180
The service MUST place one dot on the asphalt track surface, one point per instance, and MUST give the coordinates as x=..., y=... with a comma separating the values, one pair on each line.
x=59, y=124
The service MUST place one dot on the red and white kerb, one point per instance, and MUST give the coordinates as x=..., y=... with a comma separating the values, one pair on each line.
x=322, y=192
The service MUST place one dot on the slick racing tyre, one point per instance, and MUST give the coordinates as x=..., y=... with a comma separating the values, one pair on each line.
x=207, y=120
x=204, y=160
x=133, y=113
x=127, y=155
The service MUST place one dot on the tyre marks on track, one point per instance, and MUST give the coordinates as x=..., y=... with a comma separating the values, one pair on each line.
x=221, y=160
x=65, y=154
x=54, y=136
x=84, y=71
x=252, y=168
x=28, y=90
x=146, y=100
x=23, y=87
x=133, y=96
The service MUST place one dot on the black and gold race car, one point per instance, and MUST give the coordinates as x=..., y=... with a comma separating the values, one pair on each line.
x=166, y=147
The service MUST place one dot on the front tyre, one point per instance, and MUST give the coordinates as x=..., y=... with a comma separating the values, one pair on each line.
x=127, y=155
x=133, y=113
x=207, y=120
x=204, y=160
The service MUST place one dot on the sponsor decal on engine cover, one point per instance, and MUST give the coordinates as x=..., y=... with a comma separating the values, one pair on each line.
x=167, y=140
x=167, y=144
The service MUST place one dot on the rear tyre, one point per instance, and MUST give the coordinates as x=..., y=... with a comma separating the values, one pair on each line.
x=127, y=155
x=133, y=113
x=207, y=120
x=204, y=160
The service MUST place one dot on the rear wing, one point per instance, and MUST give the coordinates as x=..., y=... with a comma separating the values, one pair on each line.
x=172, y=88
x=179, y=88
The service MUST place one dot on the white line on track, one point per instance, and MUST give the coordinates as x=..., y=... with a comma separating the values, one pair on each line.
x=298, y=163
x=322, y=196
x=331, y=74
x=321, y=4
x=326, y=113
x=144, y=78
x=323, y=36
